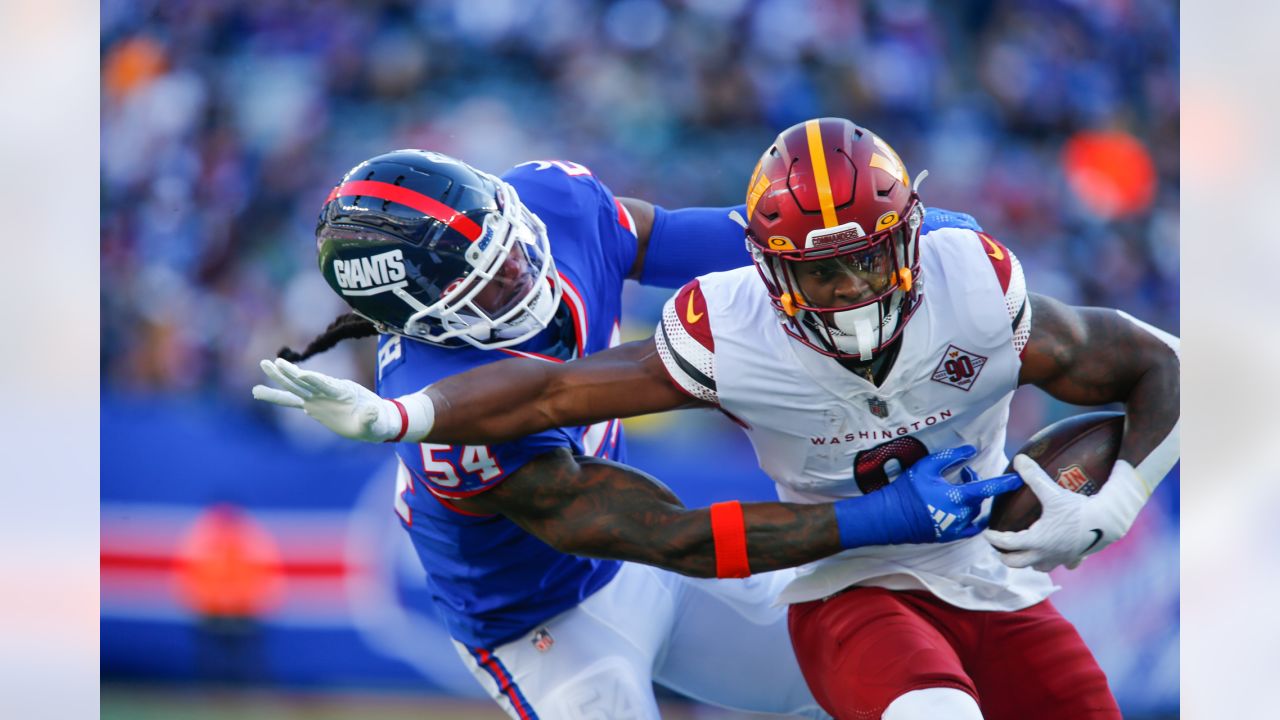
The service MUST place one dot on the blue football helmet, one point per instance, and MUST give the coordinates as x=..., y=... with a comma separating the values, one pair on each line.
x=428, y=247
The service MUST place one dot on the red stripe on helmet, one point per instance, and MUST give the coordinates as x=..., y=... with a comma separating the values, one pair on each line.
x=416, y=200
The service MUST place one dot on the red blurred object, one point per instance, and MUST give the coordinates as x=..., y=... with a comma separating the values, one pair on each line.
x=229, y=565
x=132, y=64
x=1111, y=172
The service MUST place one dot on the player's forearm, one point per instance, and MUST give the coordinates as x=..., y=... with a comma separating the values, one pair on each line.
x=778, y=535
x=603, y=509
x=1152, y=408
x=493, y=403
x=507, y=400
x=1151, y=412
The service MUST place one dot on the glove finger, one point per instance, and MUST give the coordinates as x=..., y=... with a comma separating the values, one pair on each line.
x=944, y=460
x=321, y=385
x=1076, y=563
x=1045, y=565
x=316, y=383
x=1019, y=559
x=1035, y=477
x=283, y=398
x=284, y=381
x=972, y=529
x=295, y=374
x=1009, y=541
x=992, y=486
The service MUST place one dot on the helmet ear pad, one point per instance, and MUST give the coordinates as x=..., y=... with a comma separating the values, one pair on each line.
x=828, y=188
x=410, y=239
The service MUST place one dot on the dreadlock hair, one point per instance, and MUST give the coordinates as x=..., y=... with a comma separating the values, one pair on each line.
x=344, y=327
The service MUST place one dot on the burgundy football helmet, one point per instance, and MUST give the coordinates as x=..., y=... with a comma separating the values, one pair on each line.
x=830, y=191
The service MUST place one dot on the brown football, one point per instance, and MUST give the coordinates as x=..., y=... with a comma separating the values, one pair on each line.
x=1077, y=452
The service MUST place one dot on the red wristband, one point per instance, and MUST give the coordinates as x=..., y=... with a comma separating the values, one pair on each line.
x=404, y=421
x=729, y=530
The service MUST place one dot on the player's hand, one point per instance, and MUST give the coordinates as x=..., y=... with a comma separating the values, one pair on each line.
x=345, y=407
x=1070, y=526
x=951, y=509
x=922, y=506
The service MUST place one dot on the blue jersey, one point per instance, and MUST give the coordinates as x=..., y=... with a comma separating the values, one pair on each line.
x=491, y=580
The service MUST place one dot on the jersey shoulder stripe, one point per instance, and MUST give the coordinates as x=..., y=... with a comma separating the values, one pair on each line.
x=1014, y=286
x=624, y=217
x=686, y=345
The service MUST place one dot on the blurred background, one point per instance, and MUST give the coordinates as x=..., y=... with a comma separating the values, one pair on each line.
x=251, y=561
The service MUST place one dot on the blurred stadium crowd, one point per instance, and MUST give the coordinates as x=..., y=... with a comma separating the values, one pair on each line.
x=225, y=122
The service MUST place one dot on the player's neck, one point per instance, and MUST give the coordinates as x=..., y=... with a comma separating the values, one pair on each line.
x=560, y=339
x=877, y=369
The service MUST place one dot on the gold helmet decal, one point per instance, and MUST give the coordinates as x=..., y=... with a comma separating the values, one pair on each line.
x=759, y=183
x=778, y=242
x=889, y=161
x=888, y=219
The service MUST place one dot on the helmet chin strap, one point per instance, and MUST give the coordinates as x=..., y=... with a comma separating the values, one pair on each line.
x=855, y=334
x=856, y=330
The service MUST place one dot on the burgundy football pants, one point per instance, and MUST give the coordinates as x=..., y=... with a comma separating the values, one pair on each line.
x=862, y=648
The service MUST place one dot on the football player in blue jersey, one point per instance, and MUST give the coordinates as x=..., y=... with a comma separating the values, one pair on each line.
x=524, y=542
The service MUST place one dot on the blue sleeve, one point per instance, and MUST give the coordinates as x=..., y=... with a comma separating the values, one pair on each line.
x=936, y=218
x=691, y=242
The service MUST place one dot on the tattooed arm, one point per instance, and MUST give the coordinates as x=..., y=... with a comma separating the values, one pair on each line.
x=1094, y=356
x=587, y=506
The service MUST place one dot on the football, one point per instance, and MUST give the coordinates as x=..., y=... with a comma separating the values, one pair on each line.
x=1077, y=452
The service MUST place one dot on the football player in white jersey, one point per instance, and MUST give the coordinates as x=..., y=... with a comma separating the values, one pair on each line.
x=852, y=349
x=520, y=541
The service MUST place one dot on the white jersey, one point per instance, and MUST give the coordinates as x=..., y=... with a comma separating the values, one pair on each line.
x=824, y=433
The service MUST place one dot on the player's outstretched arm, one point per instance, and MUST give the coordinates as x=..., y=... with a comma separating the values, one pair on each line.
x=1093, y=356
x=507, y=400
x=598, y=508
x=500, y=402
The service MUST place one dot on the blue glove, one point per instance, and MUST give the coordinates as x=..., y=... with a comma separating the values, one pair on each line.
x=935, y=218
x=921, y=506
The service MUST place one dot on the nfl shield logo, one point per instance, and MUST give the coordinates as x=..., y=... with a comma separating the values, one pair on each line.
x=542, y=640
x=1076, y=480
x=878, y=407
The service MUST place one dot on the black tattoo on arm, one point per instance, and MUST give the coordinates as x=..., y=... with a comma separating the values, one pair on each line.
x=1094, y=356
x=598, y=508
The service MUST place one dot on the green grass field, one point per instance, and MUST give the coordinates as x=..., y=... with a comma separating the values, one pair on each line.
x=121, y=702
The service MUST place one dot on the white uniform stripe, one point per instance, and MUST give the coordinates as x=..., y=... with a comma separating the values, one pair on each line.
x=579, y=309
x=1015, y=301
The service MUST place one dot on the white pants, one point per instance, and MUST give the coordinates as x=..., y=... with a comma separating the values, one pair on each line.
x=717, y=641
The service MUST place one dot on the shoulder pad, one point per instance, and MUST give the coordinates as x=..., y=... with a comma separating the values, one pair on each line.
x=686, y=345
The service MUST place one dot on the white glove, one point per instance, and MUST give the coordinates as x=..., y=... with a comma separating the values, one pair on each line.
x=345, y=407
x=1071, y=526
